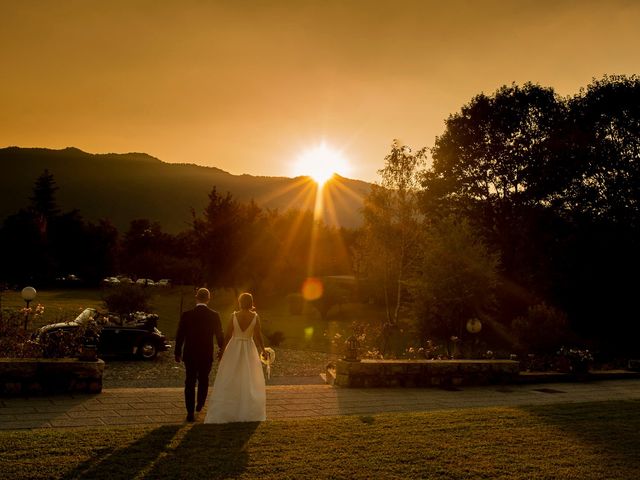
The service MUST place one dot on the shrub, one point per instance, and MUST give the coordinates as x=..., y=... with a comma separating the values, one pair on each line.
x=15, y=342
x=70, y=343
x=543, y=329
x=127, y=299
x=275, y=338
x=577, y=361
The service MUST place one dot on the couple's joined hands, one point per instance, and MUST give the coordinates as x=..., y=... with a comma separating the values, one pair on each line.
x=178, y=358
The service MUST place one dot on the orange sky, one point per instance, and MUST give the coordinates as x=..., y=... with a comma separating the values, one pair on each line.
x=245, y=86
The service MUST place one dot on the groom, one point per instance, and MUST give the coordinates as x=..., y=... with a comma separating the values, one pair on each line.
x=196, y=330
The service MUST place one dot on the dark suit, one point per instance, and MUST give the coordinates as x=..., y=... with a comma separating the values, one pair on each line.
x=194, y=343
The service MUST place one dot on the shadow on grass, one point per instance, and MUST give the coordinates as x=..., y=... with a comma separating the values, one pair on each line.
x=174, y=451
x=207, y=451
x=610, y=427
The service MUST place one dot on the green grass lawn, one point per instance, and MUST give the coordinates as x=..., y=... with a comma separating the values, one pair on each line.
x=579, y=441
x=306, y=331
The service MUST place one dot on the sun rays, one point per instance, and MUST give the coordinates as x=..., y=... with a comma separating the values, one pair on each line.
x=321, y=162
x=318, y=197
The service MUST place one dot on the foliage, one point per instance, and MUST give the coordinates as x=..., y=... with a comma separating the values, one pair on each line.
x=605, y=143
x=578, y=360
x=334, y=293
x=498, y=148
x=543, y=329
x=43, y=201
x=15, y=341
x=241, y=246
x=369, y=335
x=39, y=243
x=603, y=200
x=389, y=245
x=70, y=343
x=127, y=299
x=456, y=280
x=225, y=246
x=148, y=252
x=551, y=184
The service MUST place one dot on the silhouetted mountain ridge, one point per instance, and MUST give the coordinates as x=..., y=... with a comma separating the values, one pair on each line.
x=125, y=186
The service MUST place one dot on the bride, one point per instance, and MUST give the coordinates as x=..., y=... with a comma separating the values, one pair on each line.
x=239, y=388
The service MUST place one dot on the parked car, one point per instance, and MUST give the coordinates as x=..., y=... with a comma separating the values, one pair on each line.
x=111, y=281
x=145, y=282
x=134, y=335
x=165, y=282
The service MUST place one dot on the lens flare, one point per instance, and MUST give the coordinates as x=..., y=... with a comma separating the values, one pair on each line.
x=308, y=333
x=312, y=289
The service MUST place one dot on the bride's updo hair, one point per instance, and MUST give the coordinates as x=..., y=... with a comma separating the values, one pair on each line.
x=245, y=300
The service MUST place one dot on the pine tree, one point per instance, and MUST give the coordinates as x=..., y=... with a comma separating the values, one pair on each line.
x=43, y=201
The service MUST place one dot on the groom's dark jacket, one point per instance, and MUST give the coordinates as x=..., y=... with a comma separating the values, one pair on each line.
x=194, y=339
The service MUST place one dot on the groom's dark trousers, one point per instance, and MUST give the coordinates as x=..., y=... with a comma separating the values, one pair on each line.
x=194, y=344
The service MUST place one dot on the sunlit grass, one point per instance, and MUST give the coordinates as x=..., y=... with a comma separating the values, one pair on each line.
x=304, y=331
x=581, y=441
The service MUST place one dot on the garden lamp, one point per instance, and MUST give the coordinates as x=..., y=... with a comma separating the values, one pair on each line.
x=28, y=294
x=474, y=325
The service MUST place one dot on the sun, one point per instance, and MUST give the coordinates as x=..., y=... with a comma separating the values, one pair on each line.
x=320, y=163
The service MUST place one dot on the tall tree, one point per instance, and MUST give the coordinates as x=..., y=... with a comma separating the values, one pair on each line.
x=603, y=205
x=392, y=226
x=43, y=201
x=216, y=239
x=605, y=144
x=500, y=147
x=500, y=163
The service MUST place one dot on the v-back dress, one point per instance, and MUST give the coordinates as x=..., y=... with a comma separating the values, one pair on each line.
x=239, y=388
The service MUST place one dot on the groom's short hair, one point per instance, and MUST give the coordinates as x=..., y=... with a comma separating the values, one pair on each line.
x=203, y=295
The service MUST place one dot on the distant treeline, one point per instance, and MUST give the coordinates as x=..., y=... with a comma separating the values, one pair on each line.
x=229, y=245
x=126, y=186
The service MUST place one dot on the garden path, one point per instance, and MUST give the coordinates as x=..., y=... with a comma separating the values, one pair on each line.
x=136, y=406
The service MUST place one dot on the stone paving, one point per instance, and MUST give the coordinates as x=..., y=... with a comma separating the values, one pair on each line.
x=129, y=406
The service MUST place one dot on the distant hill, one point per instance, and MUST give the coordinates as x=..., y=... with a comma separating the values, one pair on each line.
x=126, y=186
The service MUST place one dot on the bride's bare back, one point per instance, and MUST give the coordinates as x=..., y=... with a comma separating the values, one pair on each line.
x=245, y=317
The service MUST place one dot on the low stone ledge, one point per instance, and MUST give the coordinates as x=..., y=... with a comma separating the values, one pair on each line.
x=34, y=376
x=591, y=375
x=425, y=373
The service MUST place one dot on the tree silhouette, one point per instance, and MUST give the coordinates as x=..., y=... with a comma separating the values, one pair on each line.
x=553, y=185
x=392, y=229
x=43, y=201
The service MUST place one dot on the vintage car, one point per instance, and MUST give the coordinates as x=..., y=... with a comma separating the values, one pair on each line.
x=134, y=335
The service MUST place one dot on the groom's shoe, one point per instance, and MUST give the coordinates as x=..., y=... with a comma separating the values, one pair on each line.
x=198, y=408
x=191, y=417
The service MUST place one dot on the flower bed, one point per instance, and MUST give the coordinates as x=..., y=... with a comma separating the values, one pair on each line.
x=34, y=376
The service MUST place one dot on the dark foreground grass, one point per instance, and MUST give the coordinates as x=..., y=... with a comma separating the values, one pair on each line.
x=581, y=441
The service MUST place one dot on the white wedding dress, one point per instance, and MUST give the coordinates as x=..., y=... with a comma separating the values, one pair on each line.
x=239, y=389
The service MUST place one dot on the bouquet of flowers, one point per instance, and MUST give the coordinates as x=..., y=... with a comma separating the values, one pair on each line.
x=268, y=357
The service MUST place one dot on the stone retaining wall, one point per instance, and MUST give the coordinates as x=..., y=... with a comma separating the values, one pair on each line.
x=34, y=376
x=425, y=373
